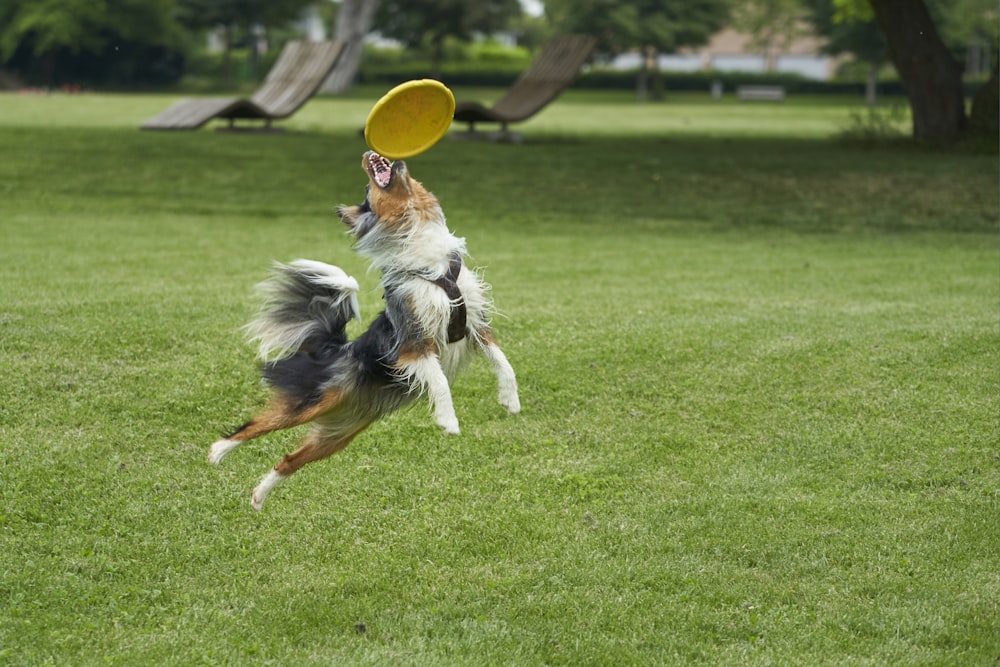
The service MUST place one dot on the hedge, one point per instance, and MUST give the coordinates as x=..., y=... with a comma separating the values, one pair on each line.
x=490, y=75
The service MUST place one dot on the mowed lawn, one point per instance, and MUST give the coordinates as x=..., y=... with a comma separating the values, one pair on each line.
x=759, y=370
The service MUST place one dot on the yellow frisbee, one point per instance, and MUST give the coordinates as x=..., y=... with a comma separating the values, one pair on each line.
x=410, y=118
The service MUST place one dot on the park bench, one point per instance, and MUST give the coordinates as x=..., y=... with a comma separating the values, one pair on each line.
x=552, y=71
x=295, y=77
x=760, y=93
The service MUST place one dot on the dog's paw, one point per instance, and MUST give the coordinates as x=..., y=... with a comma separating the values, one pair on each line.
x=257, y=500
x=219, y=449
x=511, y=402
x=259, y=495
x=449, y=425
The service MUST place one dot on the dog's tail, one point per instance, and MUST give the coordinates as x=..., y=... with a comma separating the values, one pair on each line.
x=307, y=305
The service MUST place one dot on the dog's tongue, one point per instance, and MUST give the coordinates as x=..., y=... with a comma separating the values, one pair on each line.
x=381, y=168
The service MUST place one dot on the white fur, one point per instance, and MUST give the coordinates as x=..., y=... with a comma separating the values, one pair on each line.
x=426, y=375
x=336, y=278
x=277, y=337
x=433, y=307
x=271, y=480
x=475, y=292
x=506, y=381
x=219, y=450
x=425, y=248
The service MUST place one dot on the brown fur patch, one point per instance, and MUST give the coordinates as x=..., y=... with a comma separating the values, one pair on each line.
x=282, y=415
x=412, y=350
x=349, y=214
x=315, y=447
x=486, y=336
x=406, y=202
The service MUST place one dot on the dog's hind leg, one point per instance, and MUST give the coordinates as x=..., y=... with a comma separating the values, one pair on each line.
x=281, y=415
x=506, y=380
x=317, y=445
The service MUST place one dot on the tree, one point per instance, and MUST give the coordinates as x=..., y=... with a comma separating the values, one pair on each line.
x=771, y=24
x=53, y=39
x=354, y=21
x=984, y=118
x=651, y=26
x=851, y=29
x=929, y=73
x=971, y=29
x=428, y=23
x=234, y=14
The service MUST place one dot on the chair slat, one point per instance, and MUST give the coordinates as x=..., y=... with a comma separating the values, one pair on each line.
x=295, y=77
x=554, y=68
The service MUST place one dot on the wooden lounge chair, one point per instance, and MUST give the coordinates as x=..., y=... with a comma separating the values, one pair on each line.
x=552, y=71
x=296, y=76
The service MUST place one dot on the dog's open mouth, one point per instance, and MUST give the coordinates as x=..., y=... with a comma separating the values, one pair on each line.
x=379, y=168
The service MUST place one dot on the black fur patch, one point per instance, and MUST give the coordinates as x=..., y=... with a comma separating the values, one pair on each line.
x=240, y=428
x=302, y=377
x=377, y=349
x=448, y=282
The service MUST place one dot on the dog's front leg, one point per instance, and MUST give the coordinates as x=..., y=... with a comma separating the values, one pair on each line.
x=426, y=373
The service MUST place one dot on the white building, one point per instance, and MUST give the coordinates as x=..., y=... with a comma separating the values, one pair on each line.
x=731, y=51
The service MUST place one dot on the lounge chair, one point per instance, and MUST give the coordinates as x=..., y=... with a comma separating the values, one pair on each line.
x=296, y=76
x=552, y=71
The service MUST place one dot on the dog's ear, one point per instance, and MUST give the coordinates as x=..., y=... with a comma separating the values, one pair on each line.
x=349, y=214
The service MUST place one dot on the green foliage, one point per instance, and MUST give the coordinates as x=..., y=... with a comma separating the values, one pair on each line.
x=53, y=24
x=758, y=374
x=119, y=42
x=205, y=71
x=877, y=125
x=771, y=24
x=83, y=26
x=482, y=63
x=852, y=11
x=965, y=21
x=110, y=42
x=425, y=25
x=464, y=68
x=212, y=13
x=475, y=55
x=651, y=26
x=849, y=28
x=625, y=24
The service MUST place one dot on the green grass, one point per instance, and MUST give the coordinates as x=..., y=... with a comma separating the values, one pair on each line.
x=758, y=367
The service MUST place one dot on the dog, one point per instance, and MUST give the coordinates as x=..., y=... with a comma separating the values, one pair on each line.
x=436, y=318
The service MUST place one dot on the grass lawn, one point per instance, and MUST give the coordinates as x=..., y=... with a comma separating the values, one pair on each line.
x=758, y=368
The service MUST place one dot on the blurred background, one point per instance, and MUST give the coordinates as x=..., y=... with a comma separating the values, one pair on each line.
x=653, y=47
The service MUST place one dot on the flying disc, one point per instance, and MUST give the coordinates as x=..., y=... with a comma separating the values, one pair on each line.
x=410, y=118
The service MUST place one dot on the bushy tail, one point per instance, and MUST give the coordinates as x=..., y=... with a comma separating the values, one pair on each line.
x=306, y=304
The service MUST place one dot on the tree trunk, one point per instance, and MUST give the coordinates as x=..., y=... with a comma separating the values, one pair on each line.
x=655, y=76
x=354, y=21
x=931, y=76
x=985, y=116
x=871, y=84
x=253, y=56
x=645, y=82
x=49, y=69
x=227, y=54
